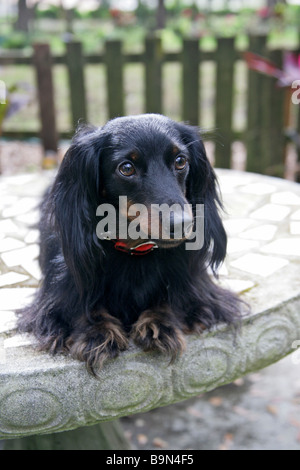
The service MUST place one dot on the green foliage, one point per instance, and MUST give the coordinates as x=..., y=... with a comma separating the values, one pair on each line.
x=15, y=40
x=52, y=12
x=143, y=12
x=292, y=15
x=99, y=13
x=92, y=28
x=3, y=108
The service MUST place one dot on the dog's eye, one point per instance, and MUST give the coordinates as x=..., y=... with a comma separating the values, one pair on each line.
x=127, y=169
x=180, y=162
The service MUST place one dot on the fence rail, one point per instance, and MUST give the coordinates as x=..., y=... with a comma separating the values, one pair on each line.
x=264, y=134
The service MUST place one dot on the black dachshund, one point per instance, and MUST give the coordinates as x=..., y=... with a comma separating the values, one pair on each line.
x=100, y=288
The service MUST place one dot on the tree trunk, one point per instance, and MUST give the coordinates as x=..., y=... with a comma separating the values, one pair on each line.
x=22, y=23
x=161, y=14
x=273, y=3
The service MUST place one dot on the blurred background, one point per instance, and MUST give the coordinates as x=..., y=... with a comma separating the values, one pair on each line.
x=227, y=66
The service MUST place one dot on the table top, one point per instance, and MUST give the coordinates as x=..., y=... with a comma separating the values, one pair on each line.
x=42, y=394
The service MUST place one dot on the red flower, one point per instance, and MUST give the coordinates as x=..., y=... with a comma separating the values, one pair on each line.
x=114, y=13
x=264, y=12
x=188, y=12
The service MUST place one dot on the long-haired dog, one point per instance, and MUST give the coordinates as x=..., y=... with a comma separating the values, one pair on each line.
x=98, y=293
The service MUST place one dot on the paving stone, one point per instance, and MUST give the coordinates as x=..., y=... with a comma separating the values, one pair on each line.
x=32, y=267
x=236, y=245
x=237, y=226
x=19, y=257
x=272, y=212
x=14, y=298
x=22, y=206
x=7, y=321
x=259, y=188
x=8, y=244
x=12, y=278
x=8, y=227
x=264, y=232
x=284, y=246
x=258, y=264
x=295, y=228
x=285, y=197
x=296, y=215
x=32, y=236
x=237, y=285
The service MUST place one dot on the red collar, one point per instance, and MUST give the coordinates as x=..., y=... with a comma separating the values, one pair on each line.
x=139, y=250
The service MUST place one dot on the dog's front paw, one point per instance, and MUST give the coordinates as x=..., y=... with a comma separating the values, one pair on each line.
x=155, y=331
x=95, y=343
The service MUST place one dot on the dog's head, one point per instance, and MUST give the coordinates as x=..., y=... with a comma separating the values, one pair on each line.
x=136, y=165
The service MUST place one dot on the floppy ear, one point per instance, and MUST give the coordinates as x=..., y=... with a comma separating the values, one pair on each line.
x=74, y=199
x=202, y=188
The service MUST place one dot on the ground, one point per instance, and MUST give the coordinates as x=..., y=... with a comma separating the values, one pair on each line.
x=258, y=412
x=20, y=157
x=17, y=157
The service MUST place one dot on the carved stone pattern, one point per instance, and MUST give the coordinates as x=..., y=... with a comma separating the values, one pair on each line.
x=67, y=397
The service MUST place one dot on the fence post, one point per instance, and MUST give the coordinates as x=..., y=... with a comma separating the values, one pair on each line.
x=43, y=64
x=273, y=144
x=153, y=66
x=255, y=104
x=190, y=70
x=225, y=58
x=114, y=75
x=75, y=66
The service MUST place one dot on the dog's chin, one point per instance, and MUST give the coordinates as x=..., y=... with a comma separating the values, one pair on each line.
x=169, y=243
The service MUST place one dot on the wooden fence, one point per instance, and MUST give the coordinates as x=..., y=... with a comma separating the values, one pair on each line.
x=264, y=131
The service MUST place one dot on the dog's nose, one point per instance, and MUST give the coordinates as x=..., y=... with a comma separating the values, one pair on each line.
x=181, y=224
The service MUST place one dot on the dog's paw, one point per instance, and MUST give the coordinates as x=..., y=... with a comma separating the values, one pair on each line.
x=95, y=344
x=194, y=328
x=154, y=331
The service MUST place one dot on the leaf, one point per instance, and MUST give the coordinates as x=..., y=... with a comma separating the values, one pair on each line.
x=216, y=401
x=158, y=442
x=142, y=439
x=194, y=412
x=227, y=442
x=14, y=102
x=272, y=409
x=294, y=422
x=239, y=382
x=3, y=110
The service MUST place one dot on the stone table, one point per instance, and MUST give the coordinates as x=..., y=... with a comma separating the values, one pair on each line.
x=50, y=399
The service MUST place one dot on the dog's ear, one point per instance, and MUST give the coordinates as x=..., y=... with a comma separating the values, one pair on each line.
x=74, y=199
x=202, y=188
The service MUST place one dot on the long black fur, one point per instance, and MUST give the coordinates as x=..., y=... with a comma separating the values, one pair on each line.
x=94, y=299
